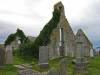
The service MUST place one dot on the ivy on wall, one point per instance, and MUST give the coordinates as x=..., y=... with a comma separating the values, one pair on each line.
x=32, y=49
x=44, y=36
x=19, y=33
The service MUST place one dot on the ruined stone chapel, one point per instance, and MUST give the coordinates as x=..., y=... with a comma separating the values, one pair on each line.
x=69, y=44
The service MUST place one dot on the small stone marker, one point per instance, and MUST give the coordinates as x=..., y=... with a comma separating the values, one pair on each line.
x=63, y=67
x=2, y=56
x=43, y=56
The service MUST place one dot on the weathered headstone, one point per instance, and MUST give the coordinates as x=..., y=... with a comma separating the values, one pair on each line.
x=53, y=72
x=43, y=56
x=63, y=67
x=9, y=55
x=2, y=54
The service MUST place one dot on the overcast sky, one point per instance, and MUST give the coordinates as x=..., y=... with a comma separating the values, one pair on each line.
x=32, y=15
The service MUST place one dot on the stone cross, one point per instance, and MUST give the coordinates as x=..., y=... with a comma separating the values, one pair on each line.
x=43, y=56
x=61, y=43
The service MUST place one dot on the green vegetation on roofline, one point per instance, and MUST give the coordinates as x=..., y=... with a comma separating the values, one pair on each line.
x=31, y=49
x=44, y=36
x=19, y=33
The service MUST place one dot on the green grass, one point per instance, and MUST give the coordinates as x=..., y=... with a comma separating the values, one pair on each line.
x=11, y=70
x=55, y=63
x=8, y=70
x=52, y=64
x=93, y=66
x=17, y=60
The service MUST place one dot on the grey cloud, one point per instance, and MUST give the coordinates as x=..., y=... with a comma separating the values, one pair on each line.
x=6, y=28
x=90, y=23
x=27, y=15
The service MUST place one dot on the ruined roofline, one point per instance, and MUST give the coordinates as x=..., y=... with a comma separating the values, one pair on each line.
x=78, y=32
x=59, y=6
x=58, y=3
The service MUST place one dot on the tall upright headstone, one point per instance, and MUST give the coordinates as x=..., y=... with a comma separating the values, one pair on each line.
x=43, y=56
x=9, y=55
x=2, y=58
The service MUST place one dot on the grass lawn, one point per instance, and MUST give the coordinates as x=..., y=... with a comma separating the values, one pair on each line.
x=55, y=63
x=93, y=66
x=17, y=60
x=11, y=70
x=8, y=70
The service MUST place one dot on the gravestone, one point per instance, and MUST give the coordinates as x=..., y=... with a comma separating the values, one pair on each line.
x=63, y=67
x=2, y=54
x=53, y=72
x=43, y=56
x=9, y=55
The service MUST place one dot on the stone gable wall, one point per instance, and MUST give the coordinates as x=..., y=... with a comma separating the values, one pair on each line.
x=69, y=38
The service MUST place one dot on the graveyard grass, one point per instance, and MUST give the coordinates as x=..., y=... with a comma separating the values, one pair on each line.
x=8, y=70
x=18, y=60
x=54, y=63
x=11, y=70
x=93, y=66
